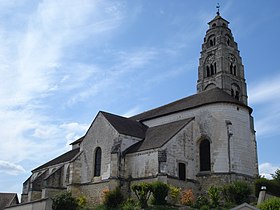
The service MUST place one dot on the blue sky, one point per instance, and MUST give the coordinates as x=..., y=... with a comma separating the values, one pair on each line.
x=63, y=61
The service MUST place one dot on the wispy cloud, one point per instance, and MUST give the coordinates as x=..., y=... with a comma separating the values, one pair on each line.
x=266, y=169
x=32, y=59
x=264, y=96
x=11, y=168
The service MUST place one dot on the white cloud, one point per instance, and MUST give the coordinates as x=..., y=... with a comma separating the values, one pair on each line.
x=266, y=169
x=265, y=98
x=32, y=59
x=10, y=168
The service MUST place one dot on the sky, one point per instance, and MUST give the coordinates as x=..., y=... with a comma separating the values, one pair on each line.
x=63, y=61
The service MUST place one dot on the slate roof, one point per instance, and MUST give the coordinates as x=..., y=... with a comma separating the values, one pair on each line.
x=61, y=159
x=6, y=199
x=215, y=95
x=78, y=140
x=126, y=126
x=157, y=136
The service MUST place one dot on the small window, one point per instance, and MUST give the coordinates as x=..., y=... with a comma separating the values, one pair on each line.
x=204, y=155
x=207, y=71
x=182, y=171
x=237, y=95
x=228, y=42
x=97, y=162
x=214, y=25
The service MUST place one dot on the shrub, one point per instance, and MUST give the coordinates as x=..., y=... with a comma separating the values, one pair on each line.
x=142, y=191
x=187, y=197
x=237, y=192
x=214, y=196
x=272, y=186
x=64, y=201
x=160, y=191
x=201, y=201
x=113, y=199
x=270, y=204
x=81, y=201
x=174, y=193
x=129, y=204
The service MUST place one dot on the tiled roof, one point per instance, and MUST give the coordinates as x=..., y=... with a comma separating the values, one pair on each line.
x=6, y=199
x=126, y=126
x=215, y=95
x=159, y=135
x=61, y=159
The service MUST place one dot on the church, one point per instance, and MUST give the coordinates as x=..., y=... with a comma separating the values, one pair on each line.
x=197, y=141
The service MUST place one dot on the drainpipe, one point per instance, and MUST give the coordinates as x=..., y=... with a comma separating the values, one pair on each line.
x=229, y=134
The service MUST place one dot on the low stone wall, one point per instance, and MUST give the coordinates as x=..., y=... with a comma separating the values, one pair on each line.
x=43, y=204
x=93, y=191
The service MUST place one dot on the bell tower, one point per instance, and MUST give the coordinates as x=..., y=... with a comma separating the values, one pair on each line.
x=220, y=64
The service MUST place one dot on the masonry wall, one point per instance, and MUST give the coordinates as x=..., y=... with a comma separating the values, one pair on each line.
x=142, y=164
x=233, y=147
x=100, y=134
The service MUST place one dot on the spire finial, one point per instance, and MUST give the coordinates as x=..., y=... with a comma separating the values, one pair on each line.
x=218, y=7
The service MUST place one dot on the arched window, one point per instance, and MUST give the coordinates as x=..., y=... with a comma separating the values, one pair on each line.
x=204, y=155
x=212, y=69
x=97, y=162
x=182, y=171
x=207, y=71
x=215, y=68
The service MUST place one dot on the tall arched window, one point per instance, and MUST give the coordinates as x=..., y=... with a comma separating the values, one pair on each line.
x=204, y=155
x=97, y=162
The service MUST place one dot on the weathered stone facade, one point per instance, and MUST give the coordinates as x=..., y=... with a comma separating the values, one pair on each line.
x=204, y=139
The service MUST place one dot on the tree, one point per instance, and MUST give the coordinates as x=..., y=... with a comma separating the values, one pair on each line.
x=276, y=176
x=64, y=201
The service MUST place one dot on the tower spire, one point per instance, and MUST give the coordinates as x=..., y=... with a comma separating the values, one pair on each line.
x=218, y=9
x=220, y=64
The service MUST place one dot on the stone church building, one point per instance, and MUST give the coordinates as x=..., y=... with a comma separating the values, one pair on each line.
x=204, y=139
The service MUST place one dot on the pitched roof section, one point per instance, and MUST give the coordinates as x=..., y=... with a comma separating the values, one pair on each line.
x=159, y=135
x=61, y=159
x=215, y=95
x=6, y=199
x=78, y=141
x=126, y=126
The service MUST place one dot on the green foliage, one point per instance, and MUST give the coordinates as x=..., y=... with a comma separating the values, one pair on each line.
x=272, y=186
x=113, y=199
x=174, y=193
x=201, y=201
x=237, y=192
x=270, y=204
x=214, y=196
x=276, y=176
x=81, y=201
x=142, y=191
x=160, y=191
x=130, y=204
x=64, y=201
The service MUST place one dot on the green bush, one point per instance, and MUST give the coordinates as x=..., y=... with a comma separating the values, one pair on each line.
x=113, y=199
x=142, y=191
x=64, y=201
x=272, y=186
x=214, y=196
x=201, y=201
x=160, y=191
x=270, y=204
x=237, y=192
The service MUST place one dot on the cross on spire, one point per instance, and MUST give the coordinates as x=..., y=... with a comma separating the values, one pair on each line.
x=218, y=9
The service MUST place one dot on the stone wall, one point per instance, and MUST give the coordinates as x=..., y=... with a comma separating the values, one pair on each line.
x=43, y=204
x=233, y=149
x=100, y=134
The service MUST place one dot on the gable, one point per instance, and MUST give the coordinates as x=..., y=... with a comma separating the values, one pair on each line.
x=6, y=199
